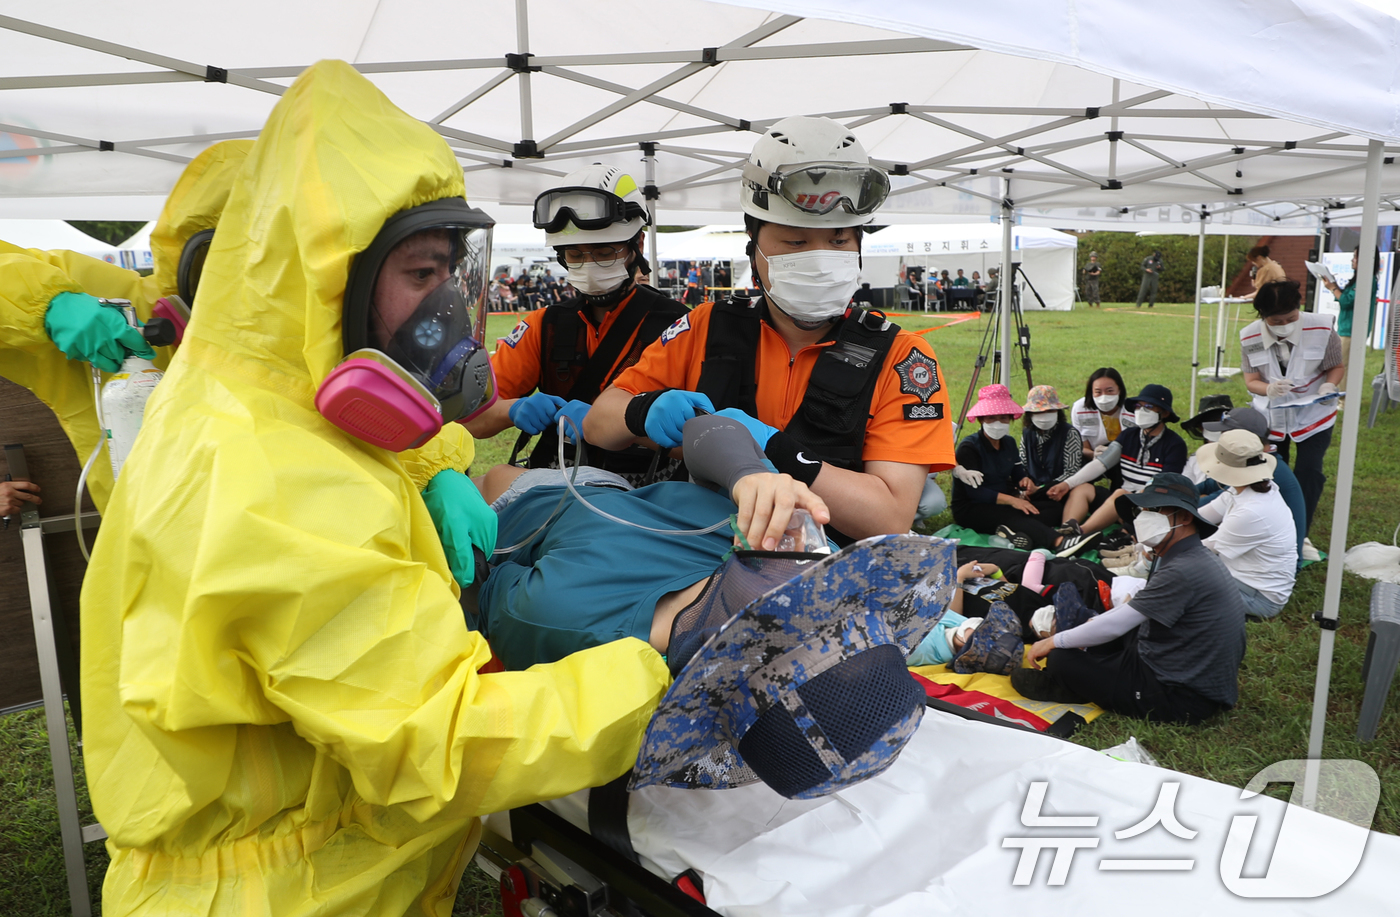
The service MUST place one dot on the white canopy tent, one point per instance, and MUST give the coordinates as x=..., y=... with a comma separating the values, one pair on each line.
x=976, y=111
x=135, y=250
x=54, y=234
x=1046, y=256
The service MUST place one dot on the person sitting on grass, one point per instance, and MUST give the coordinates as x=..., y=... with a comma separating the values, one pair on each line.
x=987, y=485
x=1171, y=654
x=1052, y=452
x=1256, y=537
x=1247, y=418
x=1139, y=453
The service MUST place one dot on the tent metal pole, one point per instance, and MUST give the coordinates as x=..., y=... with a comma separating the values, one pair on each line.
x=651, y=193
x=1346, y=469
x=1196, y=324
x=522, y=43
x=1221, y=311
x=1004, y=282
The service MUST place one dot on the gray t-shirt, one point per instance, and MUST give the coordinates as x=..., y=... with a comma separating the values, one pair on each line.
x=1194, y=635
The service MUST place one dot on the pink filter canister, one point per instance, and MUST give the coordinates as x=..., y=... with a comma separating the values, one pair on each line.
x=368, y=400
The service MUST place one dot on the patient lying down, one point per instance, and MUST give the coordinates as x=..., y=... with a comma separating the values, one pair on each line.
x=789, y=666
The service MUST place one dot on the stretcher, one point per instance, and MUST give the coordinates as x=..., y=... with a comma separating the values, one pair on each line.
x=974, y=814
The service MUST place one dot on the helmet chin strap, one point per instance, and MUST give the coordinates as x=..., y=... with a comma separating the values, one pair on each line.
x=610, y=300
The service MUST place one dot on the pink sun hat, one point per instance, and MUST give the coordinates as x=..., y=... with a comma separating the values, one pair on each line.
x=993, y=400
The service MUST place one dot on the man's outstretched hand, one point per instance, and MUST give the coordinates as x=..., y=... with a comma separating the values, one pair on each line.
x=766, y=502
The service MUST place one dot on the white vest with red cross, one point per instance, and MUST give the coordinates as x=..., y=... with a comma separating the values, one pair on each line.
x=1304, y=369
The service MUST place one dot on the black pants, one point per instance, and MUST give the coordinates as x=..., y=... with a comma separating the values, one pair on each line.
x=1115, y=677
x=1052, y=512
x=985, y=517
x=1308, y=468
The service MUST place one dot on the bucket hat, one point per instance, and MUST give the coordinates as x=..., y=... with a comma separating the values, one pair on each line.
x=1237, y=459
x=1156, y=396
x=1245, y=418
x=1212, y=408
x=791, y=668
x=1043, y=398
x=1165, y=491
x=995, y=646
x=994, y=400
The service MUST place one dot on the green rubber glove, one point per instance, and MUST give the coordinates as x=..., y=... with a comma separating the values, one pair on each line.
x=84, y=329
x=463, y=521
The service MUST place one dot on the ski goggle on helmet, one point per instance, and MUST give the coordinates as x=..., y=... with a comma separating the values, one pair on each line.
x=414, y=329
x=818, y=188
x=589, y=209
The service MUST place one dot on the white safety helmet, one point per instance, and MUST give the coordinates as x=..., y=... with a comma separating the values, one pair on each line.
x=595, y=204
x=811, y=172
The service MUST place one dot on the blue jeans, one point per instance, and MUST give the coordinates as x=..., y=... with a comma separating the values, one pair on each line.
x=1256, y=605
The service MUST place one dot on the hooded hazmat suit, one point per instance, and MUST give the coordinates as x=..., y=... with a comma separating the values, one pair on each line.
x=286, y=715
x=30, y=278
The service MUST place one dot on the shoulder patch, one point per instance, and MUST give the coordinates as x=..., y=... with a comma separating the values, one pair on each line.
x=918, y=375
x=923, y=411
x=678, y=327
x=516, y=334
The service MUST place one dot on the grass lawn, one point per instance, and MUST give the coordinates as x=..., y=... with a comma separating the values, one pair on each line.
x=1269, y=724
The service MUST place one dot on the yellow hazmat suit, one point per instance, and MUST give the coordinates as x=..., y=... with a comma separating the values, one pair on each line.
x=29, y=278
x=285, y=714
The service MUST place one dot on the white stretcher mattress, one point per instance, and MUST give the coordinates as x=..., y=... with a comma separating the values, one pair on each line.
x=926, y=837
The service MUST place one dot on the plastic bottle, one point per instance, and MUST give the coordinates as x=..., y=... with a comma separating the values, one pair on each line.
x=124, y=400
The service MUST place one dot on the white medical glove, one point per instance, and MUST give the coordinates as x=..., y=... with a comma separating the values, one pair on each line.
x=1280, y=388
x=968, y=476
x=1326, y=388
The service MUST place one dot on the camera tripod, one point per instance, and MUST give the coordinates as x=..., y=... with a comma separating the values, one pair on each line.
x=991, y=338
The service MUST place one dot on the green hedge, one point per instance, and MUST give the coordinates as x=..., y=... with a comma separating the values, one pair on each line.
x=1121, y=255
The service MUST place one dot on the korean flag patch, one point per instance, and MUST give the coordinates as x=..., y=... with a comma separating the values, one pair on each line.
x=516, y=334
x=678, y=327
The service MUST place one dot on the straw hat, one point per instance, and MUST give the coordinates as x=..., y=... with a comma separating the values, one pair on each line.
x=1236, y=460
x=993, y=401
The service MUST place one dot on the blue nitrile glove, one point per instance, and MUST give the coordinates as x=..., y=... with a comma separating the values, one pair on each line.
x=669, y=413
x=574, y=410
x=463, y=520
x=536, y=412
x=84, y=329
x=759, y=430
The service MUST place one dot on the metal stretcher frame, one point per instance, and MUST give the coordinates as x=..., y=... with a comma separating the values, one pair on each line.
x=56, y=666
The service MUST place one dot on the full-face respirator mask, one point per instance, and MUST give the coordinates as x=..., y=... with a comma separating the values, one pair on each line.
x=414, y=329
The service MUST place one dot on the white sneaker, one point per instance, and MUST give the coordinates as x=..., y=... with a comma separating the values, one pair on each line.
x=1310, y=553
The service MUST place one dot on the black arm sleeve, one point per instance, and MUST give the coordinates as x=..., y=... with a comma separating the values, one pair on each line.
x=719, y=451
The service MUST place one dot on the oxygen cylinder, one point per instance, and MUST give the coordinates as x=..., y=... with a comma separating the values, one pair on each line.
x=124, y=400
x=125, y=395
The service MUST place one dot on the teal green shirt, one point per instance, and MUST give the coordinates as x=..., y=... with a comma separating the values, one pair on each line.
x=1348, y=303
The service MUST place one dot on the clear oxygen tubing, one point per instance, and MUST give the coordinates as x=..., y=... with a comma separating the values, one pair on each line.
x=569, y=484
x=82, y=478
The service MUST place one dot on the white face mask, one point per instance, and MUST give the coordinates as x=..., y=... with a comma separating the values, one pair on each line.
x=1105, y=402
x=1212, y=436
x=813, y=286
x=996, y=430
x=1152, y=528
x=594, y=280
x=1045, y=421
x=1282, y=331
x=1146, y=418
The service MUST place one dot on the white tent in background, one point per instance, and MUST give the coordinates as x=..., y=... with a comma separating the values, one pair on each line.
x=136, y=250
x=55, y=234
x=1047, y=256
